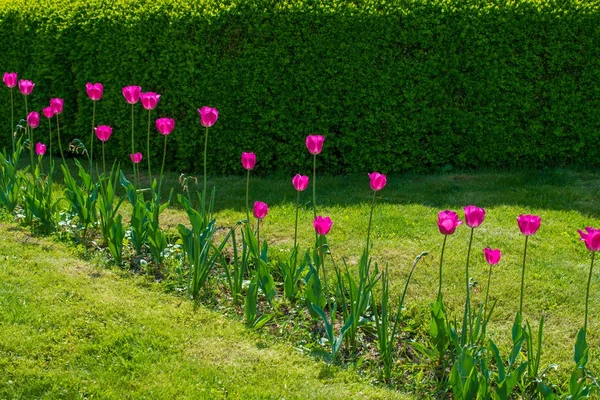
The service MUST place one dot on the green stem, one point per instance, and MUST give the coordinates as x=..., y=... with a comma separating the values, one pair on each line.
x=50, y=128
x=59, y=143
x=204, y=188
x=132, y=146
x=370, y=220
x=296, y=225
x=523, y=278
x=487, y=291
x=103, y=159
x=30, y=137
x=148, y=149
x=162, y=168
x=587, y=296
x=247, y=190
x=441, y=260
x=41, y=166
x=468, y=297
x=325, y=280
x=12, y=120
x=92, y=139
x=314, y=182
x=258, y=233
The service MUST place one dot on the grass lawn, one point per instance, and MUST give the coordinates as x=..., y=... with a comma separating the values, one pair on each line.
x=71, y=330
x=403, y=226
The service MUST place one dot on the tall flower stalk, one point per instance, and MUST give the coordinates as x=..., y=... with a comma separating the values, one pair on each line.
x=33, y=121
x=57, y=108
x=208, y=117
x=447, y=223
x=164, y=126
x=591, y=237
x=314, y=144
x=94, y=92
x=149, y=101
x=26, y=87
x=322, y=227
x=492, y=256
x=300, y=183
x=377, y=182
x=10, y=80
x=528, y=224
x=48, y=113
x=132, y=96
x=103, y=133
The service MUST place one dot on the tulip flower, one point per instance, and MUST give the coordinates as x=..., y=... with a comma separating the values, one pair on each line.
x=314, y=144
x=208, y=116
x=94, y=90
x=447, y=222
x=10, y=80
x=378, y=181
x=40, y=149
x=300, y=182
x=322, y=225
x=33, y=119
x=528, y=224
x=248, y=160
x=492, y=256
x=132, y=94
x=149, y=100
x=57, y=105
x=260, y=210
x=136, y=158
x=474, y=216
x=164, y=126
x=591, y=237
x=26, y=87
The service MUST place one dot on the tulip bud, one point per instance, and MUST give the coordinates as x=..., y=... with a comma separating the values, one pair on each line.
x=10, y=79
x=314, y=143
x=474, y=216
x=448, y=222
x=165, y=125
x=300, y=182
x=33, y=119
x=208, y=116
x=528, y=224
x=248, y=160
x=322, y=225
x=260, y=210
x=94, y=90
x=378, y=181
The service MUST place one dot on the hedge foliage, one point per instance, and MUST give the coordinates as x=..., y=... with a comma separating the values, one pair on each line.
x=394, y=85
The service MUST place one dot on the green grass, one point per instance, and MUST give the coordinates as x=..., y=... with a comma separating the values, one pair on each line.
x=71, y=330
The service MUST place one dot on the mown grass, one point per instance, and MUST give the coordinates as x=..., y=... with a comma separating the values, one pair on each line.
x=71, y=330
x=404, y=226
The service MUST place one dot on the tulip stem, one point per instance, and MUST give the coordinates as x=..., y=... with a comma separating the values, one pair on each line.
x=92, y=140
x=325, y=276
x=441, y=260
x=12, y=120
x=30, y=138
x=59, y=144
x=204, y=189
x=258, y=234
x=587, y=296
x=296, y=225
x=162, y=168
x=41, y=166
x=247, y=190
x=314, y=180
x=103, y=160
x=370, y=220
x=487, y=291
x=148, y=148
x=468, y=297
x=50, y=128
x=523, y=278
x=133, y=148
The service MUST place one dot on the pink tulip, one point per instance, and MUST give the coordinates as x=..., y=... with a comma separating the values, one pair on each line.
x=591, y=238
x=48, y=113
x=26, y=87
x=528, y=224
x=136, y=158
x=165, y=125
x=33, y=119
x=57, y=105
x=40, y=149
x=378, y=180
x=10, y=79
x=208, y=116
x=248, y=160
x=260, y=210
x=94, y=90
x=149, y=100
x=300, y=182
x=447, y=222
x=314, y=143
x=103, y=133
x=492, y=256
x=132, y=94
x=474, y=216
x=322, y=225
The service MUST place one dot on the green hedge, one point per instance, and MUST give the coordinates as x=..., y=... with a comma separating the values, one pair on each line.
x=393, y=85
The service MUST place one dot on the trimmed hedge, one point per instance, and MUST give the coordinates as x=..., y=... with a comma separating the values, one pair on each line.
x=393, y=85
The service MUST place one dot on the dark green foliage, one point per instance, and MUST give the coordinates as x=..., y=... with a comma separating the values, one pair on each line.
x=393, y=85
